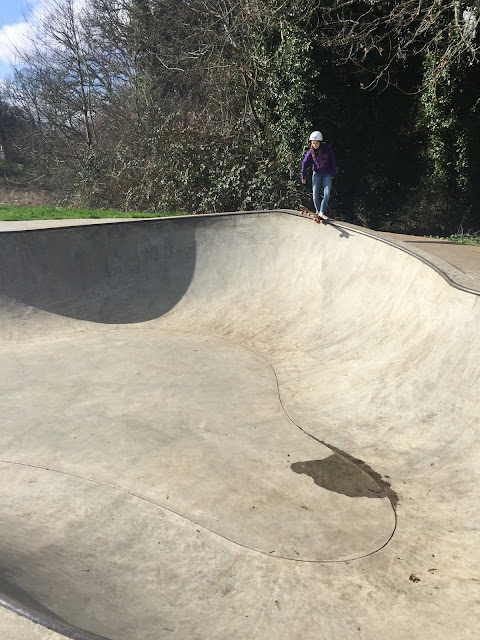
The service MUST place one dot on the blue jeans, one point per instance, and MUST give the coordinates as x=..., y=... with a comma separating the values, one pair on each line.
x=317, y=179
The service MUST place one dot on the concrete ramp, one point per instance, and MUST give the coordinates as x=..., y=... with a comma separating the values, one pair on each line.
x=235, y=426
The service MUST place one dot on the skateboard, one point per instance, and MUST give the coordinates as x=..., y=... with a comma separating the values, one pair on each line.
x=318, y=217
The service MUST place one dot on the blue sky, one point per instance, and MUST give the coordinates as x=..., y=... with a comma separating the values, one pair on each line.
x=11, y=11
x=12, y=21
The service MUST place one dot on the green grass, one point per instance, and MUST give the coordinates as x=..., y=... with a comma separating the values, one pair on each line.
x=461, y=238
x=466, y=238
x=19, y=213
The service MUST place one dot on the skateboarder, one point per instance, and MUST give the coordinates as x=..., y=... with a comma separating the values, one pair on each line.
x=321, y=156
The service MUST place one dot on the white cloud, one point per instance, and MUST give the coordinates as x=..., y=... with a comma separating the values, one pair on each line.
x=17, y=37
x=13, y=37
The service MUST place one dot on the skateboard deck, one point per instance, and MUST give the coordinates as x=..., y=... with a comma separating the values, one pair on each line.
x=320, y=218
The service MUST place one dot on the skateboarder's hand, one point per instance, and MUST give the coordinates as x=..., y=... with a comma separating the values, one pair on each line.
x=304, y=181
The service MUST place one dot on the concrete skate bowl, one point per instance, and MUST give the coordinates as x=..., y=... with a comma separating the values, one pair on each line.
x=233, y=426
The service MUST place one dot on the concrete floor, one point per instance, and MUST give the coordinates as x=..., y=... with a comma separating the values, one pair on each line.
x=237, y=426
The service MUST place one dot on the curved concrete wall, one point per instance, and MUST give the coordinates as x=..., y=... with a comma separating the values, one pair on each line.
x=362, y=356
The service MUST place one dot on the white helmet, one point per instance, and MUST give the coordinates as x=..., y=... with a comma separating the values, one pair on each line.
x=316, y=135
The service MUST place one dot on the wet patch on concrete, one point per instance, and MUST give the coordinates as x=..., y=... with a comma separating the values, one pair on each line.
x=343, y=474
x=340, y=476
x=389, y=492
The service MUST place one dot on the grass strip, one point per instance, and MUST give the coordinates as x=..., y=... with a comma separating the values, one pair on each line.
x=15, y=213
x=466, y=239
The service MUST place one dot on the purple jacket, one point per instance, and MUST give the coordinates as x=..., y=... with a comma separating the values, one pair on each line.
x=322, y=164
